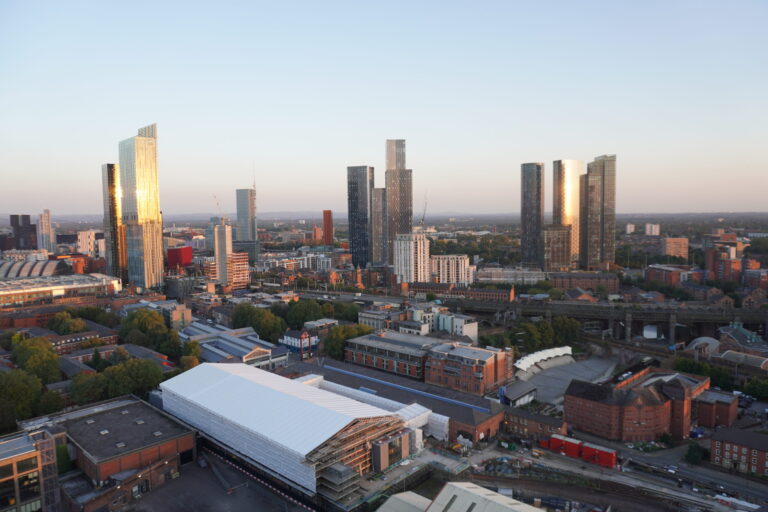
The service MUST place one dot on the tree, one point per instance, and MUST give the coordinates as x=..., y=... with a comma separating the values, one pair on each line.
x=63, y=461
x=328, y=311
x=97, y=362
x=265, y=323
x=20, y=390
x=757, y=388
x=50, y=402
x=188, y=362
x=88, y=387
x=63, y=323
x=192, y=348
x=567, y=330
x=36, y=356
x=348, y=312
x=118, y=356
x=98, y=315
x=135, y=376
x=333, y=345
x=431, y=297
x=303, y=311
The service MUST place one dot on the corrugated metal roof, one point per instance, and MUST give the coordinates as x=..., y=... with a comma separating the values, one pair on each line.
x=289, y=413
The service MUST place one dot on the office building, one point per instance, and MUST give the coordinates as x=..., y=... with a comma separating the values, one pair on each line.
x=399, y=192
x=411, y=253
x=114, y=229
x=359, y=187
x=597, y=214
x=531, y=213
x=141, y=208
x=24, y=232
x=28, y=472
x=46, y=236
x=556, y=248
x=246, y=214
x=565, y=199
x=327, y=227
x=379, y=231
x=452, y=268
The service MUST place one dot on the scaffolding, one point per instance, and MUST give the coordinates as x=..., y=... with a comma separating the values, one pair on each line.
x=49, y=474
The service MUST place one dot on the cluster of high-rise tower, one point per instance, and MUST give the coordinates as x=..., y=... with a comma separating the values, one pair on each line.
x=378, y=215
x=583, y=229
x=133, y=224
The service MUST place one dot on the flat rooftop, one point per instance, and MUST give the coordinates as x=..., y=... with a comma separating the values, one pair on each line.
x=122, y=429
x=14, y=445
x=52, y=282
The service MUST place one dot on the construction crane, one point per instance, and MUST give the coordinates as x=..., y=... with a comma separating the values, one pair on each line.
x=218, y=205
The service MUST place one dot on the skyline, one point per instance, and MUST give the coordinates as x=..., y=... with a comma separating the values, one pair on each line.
x=281, y=89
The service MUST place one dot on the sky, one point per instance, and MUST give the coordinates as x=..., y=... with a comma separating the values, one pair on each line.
x=294, y=92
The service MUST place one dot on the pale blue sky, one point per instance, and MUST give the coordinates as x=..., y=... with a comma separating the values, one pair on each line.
x=677, y=89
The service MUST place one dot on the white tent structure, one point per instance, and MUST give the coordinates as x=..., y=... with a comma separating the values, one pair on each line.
x=292, y=430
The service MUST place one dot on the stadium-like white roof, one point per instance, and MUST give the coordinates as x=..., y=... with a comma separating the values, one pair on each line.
x=289, y=413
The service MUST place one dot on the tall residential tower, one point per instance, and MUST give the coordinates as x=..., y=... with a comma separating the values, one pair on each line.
x=141, y=208
x=597, y=230
x=359, y=191
x=246, y=214
x=114, y=230
x=399, y=187
x=46, y=237
x=532, y=214
x=565, y=200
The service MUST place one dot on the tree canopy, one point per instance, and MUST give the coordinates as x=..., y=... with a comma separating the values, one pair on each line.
x=268, y=326
x=63, y=323
x=147, y=328
x=36, y=356
x=333, y=345
x=20, y=393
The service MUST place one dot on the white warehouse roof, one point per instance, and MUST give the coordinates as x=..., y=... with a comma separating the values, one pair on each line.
x=289, y=413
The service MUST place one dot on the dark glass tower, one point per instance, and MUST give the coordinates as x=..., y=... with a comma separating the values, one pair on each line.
x=359, y=194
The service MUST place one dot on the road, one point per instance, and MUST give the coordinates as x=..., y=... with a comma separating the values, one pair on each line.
x=731, y=483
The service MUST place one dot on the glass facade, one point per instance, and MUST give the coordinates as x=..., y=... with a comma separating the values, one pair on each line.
x=379, y=226
x=399, y=195
x=565, y=199
x=114, y=231
x=141, y=208
x=598, y=214
x=246, y=214
x=359, y=188
x=531, y=213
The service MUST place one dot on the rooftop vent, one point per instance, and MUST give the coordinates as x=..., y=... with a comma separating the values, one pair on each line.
x=124, y=411
x=90, y=421
x=104, y=432
x=157, y=433
x=139, y=422
x=120, y=445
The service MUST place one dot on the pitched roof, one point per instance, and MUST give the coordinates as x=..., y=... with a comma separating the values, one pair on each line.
x=742, y=437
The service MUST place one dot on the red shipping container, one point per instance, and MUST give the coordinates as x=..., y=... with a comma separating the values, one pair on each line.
x=607, y=458
x=557, y=443
x=589, y=452
x=573, y=448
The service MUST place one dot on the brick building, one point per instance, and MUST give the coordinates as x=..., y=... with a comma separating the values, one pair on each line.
x=390, y=351
x=643, y=404
x=466, y=368
x=450, y=291
x=124, y=449
x=672, y=275
x=28, y=473
x=586, y=280
x=529, y=425
x=740, y=450
x=676, y=247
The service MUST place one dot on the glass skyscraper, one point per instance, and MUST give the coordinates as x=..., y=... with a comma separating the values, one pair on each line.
x=141, y=208
x=565, y=199
x=379, y=226
x=532, y=214
x=598, y=214
x=246, y=214
x=399, y=195
x=359, y=192
x=114, y=230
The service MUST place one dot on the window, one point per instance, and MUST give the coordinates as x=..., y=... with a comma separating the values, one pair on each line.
x=450, y=502
x=29, y=486
x=7, y=494
x=6, y=470
x=26, y=465
x=34, y=506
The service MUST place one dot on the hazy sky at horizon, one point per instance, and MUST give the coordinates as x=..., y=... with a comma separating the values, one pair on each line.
x=300, y=90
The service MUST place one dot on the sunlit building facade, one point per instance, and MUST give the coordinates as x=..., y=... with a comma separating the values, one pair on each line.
x=114, y=230
x=556, y=242
x=46, y=237
x=412, y=263
x=565, y=199
x=399, y=194
x=141, y=208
